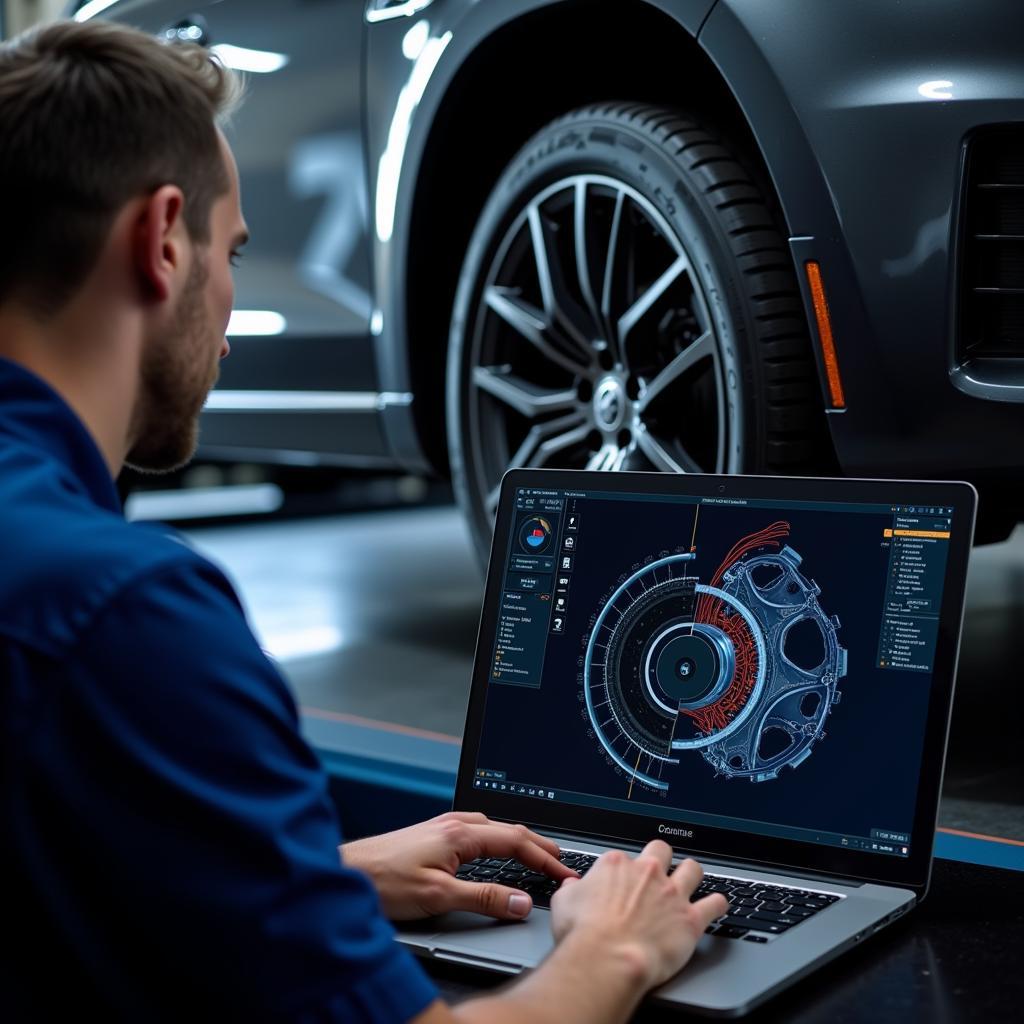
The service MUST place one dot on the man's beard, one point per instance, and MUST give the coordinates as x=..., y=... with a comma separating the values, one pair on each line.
x=177, y=374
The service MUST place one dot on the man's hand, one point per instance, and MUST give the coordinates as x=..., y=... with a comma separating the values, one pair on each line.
x=414, y=868
x=623, y=929
x=632, y=906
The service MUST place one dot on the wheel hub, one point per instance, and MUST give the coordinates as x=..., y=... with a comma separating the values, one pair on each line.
x=610, y=404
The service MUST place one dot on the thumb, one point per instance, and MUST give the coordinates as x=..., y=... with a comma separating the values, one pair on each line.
x=493, y=900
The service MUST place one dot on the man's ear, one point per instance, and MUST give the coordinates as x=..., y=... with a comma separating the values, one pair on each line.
x=159, y=241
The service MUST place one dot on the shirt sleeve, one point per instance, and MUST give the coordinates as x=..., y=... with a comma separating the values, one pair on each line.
x=200, y=839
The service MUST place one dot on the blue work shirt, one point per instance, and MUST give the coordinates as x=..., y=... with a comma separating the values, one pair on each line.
x=169, y=846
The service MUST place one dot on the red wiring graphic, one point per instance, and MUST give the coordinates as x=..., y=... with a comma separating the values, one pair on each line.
x=711, y=610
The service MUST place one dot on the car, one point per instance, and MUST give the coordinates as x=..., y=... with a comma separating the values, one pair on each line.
x=690, y=235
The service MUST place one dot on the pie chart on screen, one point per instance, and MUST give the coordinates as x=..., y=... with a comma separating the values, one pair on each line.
x=535, y=535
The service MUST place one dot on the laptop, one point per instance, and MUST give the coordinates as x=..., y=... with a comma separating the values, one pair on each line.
x=758, y=670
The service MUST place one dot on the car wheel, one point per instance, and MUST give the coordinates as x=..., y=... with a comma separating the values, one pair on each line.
x=627, y=301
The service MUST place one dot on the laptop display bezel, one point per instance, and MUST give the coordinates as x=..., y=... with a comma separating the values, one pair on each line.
x=616, y=827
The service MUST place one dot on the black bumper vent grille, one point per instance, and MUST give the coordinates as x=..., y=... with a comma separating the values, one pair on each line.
x=992, y=262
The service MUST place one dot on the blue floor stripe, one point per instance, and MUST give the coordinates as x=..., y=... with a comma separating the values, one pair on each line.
x=986, y=852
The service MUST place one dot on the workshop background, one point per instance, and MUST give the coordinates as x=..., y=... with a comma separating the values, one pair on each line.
x=363, y=580
x=366, y=587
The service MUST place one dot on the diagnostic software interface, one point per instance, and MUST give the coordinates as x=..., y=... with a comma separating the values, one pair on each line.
x=757, y=665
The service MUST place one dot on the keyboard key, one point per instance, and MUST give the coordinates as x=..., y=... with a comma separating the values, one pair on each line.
x=767, y=926
x=732, y=919
x=730, y=932
x=755, y=938
x=773, y=918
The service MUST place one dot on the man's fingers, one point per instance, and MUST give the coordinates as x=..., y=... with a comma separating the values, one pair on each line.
x=496, y=901
x=541, y=860
x=710, y=908
x=534, y=851
x=542, y=841
x=477, y=818
x=687, y=876
x=660, y=851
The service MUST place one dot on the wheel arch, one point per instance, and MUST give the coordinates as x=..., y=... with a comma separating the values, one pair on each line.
x=633, y=51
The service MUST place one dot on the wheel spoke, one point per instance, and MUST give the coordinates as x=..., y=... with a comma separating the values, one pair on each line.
x=655, y=451
x=540, y=256
x=702, y=348
x=546, y=439
x=559, y=304
x=525, y=398
x=609, y=264
x=580, y=243
x=530, y=323
x=632, y=316
x=609, y=457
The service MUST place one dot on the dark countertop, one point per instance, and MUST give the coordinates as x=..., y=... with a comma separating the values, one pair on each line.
x=958, y=957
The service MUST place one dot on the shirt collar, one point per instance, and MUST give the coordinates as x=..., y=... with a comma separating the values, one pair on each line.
x=33, y=413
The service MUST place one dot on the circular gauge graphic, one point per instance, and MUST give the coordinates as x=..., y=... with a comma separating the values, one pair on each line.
x=535, y=535
x=676, y=665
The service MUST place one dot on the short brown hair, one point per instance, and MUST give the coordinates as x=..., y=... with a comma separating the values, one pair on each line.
x=93, y=115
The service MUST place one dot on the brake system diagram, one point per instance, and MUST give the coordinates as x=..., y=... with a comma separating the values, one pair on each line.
x=742, y=669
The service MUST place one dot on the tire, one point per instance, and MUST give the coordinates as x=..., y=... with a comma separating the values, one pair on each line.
x=676, y=341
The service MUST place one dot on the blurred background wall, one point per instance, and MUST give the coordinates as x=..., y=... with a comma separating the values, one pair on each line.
x=16, y=15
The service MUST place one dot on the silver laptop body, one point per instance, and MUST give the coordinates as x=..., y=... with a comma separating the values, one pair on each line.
x=621, y=605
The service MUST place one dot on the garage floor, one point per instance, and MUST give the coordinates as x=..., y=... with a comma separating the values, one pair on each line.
x=375, y=615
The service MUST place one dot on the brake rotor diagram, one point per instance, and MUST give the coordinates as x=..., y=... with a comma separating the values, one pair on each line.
x=741, y=670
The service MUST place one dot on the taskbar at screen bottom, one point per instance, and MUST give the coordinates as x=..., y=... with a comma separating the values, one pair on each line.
x=880, y=841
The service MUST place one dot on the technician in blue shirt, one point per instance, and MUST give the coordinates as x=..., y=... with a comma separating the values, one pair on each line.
x=169, y=850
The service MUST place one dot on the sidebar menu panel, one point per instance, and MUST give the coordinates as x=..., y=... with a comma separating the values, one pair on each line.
x=919, y=546
x=526, y=617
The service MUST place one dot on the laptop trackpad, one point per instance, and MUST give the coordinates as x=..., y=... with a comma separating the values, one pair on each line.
x=522, y=944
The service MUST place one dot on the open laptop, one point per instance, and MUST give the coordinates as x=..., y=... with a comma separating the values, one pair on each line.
x=758, y=670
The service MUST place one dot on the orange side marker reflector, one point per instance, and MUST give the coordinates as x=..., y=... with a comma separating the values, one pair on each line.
x=828, y=347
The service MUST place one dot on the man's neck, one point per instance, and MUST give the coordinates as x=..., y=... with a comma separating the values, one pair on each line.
x=89, y=361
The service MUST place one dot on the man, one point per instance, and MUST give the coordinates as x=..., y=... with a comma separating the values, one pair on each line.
x=169, y=849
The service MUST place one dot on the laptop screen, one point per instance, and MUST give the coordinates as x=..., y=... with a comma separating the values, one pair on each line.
x=760, y=666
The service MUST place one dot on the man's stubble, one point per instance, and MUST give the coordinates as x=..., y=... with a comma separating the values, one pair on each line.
x=179, y=367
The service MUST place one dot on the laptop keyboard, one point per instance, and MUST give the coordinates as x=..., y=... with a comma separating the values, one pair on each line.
x=756, y=909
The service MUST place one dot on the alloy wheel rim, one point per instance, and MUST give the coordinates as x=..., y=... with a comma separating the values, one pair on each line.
x=593, y=346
